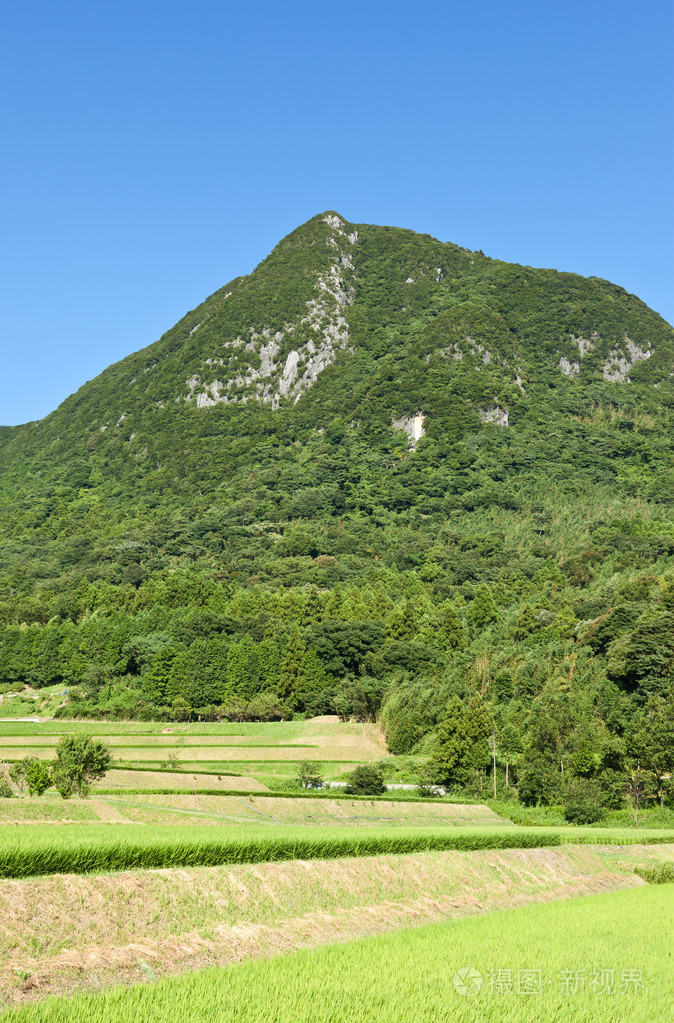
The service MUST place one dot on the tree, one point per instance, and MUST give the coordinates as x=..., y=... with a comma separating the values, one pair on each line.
x=267, y=706
x=483, y=610
x=651, y=741
x=38, y=777
x=309, y=775
x=181, y=709
x=79, y=761
x=292, y=669
x=366, y=780
x=480, y=727
x=637, y=791
x=583, y=801
x=510, y=744
x=451, y=760
x=32, y=774
x=539, y=782
x=451, y=630
x=17, y=773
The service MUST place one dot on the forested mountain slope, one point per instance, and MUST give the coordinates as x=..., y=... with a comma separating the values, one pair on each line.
x=378, y=468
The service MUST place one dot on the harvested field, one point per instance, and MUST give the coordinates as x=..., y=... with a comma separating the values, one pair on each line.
x=252, y=806
x=129, y=779
x=204, y=754
x=77, y=932
x=158, y=809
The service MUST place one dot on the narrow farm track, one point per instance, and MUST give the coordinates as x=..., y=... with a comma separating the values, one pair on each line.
x=65, y=933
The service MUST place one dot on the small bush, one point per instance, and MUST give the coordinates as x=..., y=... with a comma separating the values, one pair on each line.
x=366, y=780
x=427, y=792
x=38, y=778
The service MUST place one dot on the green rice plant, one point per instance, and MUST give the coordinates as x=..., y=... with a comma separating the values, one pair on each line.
x=31, y=850
x=596, y=959
x=657, y=873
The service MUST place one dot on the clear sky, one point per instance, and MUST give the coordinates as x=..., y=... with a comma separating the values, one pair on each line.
x=154, y=149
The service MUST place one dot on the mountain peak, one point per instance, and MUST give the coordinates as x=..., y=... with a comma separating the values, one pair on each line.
x=382, y=325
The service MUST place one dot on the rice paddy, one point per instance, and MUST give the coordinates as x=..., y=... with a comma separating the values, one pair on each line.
x=598, y=959
x=182, y=858
x=30, y=850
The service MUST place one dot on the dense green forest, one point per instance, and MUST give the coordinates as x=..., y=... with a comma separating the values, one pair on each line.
x=236, y=523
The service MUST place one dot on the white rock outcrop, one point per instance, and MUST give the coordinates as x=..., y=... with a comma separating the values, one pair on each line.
x=329, y=334
x=413, y=426
x=620, y=361
x=494, y=414
x=569, y=369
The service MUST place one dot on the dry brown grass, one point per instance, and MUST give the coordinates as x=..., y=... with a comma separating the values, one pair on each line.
x=76, y=932
x=129, y=779
x=158, y=809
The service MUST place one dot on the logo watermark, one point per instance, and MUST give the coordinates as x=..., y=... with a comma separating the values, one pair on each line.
x=468, y=981
x=599, y=981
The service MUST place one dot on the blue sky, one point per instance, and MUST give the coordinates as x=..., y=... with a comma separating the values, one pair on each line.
x=154, y=150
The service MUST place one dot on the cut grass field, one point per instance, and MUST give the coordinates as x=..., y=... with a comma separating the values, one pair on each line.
x=118, y=778
x=280, y=731
x=600, y=959
x=305, y=812
x=252, y=806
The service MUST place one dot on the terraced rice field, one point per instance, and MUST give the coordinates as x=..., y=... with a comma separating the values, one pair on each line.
x=243, y=755
x=597, y=959
x=144, y=885
x=157, y=809
x=31, y=850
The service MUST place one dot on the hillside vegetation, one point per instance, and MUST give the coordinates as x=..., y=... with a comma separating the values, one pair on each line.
x=379, y=476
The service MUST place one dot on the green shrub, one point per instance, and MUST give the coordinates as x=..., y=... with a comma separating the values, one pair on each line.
x=583, y=803
x=366, y=780
x=38, y=777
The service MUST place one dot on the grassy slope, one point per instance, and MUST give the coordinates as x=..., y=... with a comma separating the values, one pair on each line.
x=252, y=807
x=415, y=970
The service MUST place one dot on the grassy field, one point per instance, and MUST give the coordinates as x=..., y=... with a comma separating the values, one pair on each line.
x=601, y=959
x=252, y=807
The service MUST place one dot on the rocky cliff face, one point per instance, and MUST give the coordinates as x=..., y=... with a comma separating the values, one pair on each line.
x=316, y=338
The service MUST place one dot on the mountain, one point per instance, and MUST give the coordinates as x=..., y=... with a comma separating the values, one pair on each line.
x=373, y=324
x=378, y=468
